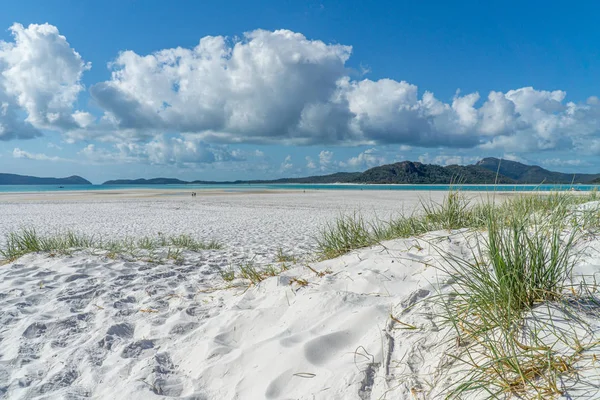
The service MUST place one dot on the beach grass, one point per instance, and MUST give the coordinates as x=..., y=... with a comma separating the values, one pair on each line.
x=252, y=273
x=26, y=241
x=345, y=234
x=506, y=307
x=509, y=300
x=456, y=211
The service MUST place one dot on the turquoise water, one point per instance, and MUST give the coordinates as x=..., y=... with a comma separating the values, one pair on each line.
x=246, y=187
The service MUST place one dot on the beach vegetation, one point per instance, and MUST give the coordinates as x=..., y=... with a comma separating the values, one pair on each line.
x=345, y=234
x=456, y=211
x=28, y=240
x=253, y=273
x=282, y=257
x=187, y=242
x=515, y=312
x=250, y=272
x=509, y=303
x=227, y=274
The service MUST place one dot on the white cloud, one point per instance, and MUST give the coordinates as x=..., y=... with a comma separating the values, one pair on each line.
x=255, y=89
x=558, y=162
x=83, y=119
x=276, y=87
x=325, y=160
x=310, y=164
x=367, y=159
x=40, y=74
x=18, y=153
x=181, y=151
x=287, y=163
x=280, y=87
x=443, y=159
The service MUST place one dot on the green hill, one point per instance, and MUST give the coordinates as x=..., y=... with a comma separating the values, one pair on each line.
x=153, y=181
x=487, y=171
x=13, y=179
x=408, y=172
x=534, y=174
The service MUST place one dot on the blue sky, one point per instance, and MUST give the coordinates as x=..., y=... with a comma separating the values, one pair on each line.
x=266, y=89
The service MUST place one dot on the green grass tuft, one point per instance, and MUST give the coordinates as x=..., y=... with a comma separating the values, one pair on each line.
x=26, y=241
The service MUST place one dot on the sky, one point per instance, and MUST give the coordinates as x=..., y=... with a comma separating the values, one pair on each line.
x=267, y=89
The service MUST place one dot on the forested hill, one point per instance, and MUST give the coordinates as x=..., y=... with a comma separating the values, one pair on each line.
x=408, y=172
x=13, y=179
x=486, y=171
x=154, y=181
x=523, y=173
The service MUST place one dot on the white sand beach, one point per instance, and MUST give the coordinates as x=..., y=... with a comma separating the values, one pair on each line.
x=87, y=325
x=252, y=225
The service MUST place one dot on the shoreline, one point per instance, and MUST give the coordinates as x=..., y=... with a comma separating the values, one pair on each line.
x=292, y=187
x=157, y=193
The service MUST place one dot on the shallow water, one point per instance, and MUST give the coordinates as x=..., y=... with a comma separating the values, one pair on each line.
x=253, y=187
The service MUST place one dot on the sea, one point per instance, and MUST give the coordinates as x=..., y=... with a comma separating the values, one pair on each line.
x=254, y=187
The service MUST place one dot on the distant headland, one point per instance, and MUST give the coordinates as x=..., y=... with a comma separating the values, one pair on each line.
x=486, y=171
x=13, y=179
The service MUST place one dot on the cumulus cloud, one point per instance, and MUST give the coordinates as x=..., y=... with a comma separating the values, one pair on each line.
x=267, y=87
x=280, y=87
x=39, y=74
x=367, y=159
x=18, y=153
x=443, y=159
x=287, y=163
x=181, y=151
x=11, y=126
x=325, y=160
x=310, y=164
x=257, y=89
x=558, y=162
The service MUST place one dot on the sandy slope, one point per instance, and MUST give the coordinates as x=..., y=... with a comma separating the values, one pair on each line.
x=85, y=326
x=88, y=326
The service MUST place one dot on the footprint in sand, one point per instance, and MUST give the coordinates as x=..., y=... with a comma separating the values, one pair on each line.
x=115, y=334
x=64, y=378
x=183, y=328
x=277, y=385
x=136, y=348
x=166, y=381
x=35, y=330
x=76, y=277
x=291, y=341
x=319, y=350
x=124, y=330
x=415, y=297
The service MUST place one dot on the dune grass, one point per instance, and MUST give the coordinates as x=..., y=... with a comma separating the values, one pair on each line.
x=345, y=234
x=25, y=241
x=509, y=301
x=457, y=211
